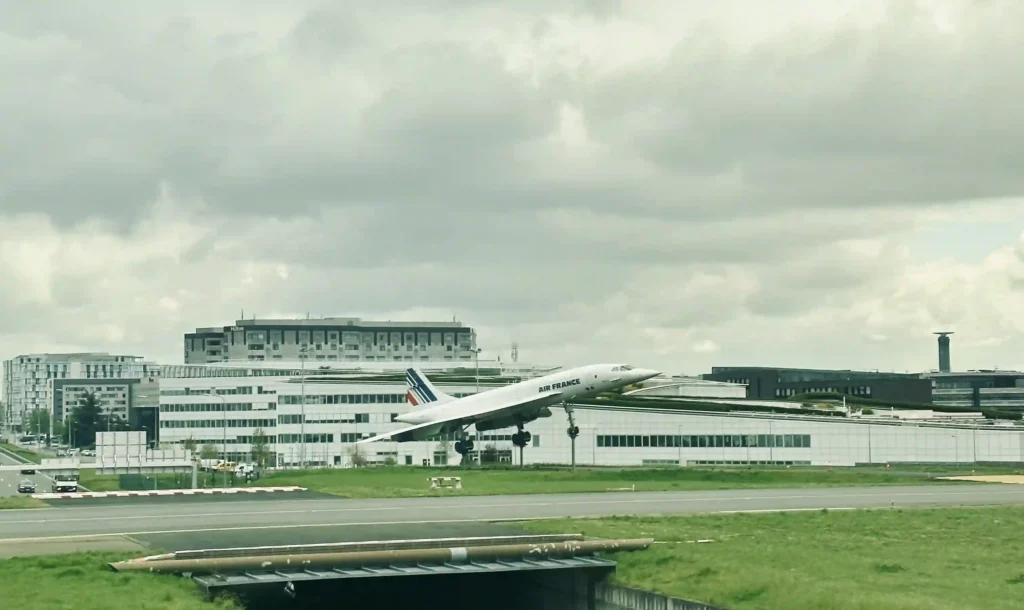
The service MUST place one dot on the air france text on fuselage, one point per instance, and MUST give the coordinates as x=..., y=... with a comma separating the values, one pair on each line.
x=559, y=385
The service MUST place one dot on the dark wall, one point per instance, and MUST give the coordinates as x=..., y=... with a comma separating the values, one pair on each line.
x=764, y=384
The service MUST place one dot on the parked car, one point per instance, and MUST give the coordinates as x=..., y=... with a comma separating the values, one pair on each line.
x=26, y=487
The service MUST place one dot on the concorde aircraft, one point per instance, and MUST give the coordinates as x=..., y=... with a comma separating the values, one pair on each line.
x=512, y=405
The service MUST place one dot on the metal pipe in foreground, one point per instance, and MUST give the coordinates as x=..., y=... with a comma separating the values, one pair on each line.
x=366, y=558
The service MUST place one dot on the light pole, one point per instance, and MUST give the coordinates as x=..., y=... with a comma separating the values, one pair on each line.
x=476, y=378
x=224, y=429
x=302, y=416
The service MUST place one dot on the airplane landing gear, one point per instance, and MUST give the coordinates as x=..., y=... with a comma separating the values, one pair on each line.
x=573, y=430
x=521, y=439
x=463, y=446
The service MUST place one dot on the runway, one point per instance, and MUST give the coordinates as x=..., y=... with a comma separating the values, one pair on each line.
x=251, y=523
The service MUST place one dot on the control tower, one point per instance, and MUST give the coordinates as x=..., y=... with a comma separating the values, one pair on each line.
x=943, y=350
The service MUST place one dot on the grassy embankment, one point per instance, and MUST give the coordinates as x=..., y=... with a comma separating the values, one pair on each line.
x=935, y=559
x=383, y=482
x=25, y=454
x=84, y=581
x=401, y=481
x=11, y=502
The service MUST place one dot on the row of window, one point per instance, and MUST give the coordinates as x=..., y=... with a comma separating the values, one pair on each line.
x=213, y=407
x=463, y=339
x=705, y=440
x=862, y=390
x=245, y=389
x=218, y=423
x=343, y=399
x=353, y=418
x=316, y=438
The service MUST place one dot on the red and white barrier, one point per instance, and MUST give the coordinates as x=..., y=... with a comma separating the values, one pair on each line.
x=164, y=492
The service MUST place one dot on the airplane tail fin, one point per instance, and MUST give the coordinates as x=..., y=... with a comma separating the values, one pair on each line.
x=421, y=391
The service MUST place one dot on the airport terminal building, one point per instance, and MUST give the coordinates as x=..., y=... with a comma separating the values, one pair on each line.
x=315, y=418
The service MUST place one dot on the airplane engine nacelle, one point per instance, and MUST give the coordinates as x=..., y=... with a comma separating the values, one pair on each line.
x=512, y=422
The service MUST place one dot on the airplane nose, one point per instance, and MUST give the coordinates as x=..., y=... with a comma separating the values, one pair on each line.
x=642, y=374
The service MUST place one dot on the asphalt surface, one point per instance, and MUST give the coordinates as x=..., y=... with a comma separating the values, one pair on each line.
x=256, y=522
x=9, y=479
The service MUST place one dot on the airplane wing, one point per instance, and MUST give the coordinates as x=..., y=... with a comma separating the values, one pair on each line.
x=433, y=428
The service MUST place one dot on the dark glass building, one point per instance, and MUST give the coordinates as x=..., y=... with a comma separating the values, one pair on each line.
x=768, y=383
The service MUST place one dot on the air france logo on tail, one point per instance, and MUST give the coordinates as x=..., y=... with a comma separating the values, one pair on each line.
x=418, y=392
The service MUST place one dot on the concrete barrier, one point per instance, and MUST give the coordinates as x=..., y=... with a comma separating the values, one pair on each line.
x=614, y=597
x=439, y=482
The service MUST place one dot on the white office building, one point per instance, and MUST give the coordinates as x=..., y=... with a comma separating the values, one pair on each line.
x=227, y=412
x=331, y=340
x=29, y=380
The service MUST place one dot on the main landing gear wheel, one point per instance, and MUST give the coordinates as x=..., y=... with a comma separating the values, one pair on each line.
x=521, y=438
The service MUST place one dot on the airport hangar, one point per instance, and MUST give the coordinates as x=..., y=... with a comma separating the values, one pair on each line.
x=227, y=404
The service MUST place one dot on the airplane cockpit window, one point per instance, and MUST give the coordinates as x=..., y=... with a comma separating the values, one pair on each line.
x=625, y=367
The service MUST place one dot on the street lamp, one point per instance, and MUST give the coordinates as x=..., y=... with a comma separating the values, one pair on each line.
x=302, y=416
x=224, y=429
x=476, y=356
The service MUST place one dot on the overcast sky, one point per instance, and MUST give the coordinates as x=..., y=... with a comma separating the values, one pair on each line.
x=673, y=184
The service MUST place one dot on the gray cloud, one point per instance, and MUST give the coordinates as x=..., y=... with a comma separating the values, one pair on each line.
x=678, y=182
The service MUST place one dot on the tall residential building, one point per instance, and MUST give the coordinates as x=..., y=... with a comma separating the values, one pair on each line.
x=327, y=339
x=33, y=381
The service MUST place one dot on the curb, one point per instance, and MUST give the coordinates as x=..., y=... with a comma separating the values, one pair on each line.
x=164, y=492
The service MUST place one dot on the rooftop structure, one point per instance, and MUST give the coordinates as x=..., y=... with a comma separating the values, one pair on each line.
x=331, y=340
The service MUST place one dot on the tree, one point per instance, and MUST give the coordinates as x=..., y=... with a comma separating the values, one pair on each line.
x=356, y=456
x=489, y=454
x=38, y=422
x=190, y=444
x=444, y=447
x=58, y=428
x=260, y=447
x=86, y=418
x=208, y=452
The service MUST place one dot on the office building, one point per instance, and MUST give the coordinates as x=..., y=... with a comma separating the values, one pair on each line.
x=331, y=340
x=32, y=381
x=315, y=420
x=775, y=383
x=979, y=390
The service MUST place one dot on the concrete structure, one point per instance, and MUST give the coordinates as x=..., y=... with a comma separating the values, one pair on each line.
x=769, y=383
x=28, y=380
x=1002, y=390
x=331, y=339
x=330, y=413
x=944, y=351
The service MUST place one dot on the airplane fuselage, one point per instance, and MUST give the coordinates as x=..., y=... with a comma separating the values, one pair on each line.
x=571, y=385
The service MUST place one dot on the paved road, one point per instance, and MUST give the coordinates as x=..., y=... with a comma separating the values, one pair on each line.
x=9, y=479
x=261, y=517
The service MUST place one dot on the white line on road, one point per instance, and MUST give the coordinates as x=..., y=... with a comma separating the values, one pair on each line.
x=372, y=523
x=664, y=500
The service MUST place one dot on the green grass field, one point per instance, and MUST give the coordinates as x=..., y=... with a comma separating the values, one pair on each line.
x=395, y=481
x=927, y=559
x=9, y=502
x=402, y=481
x=26, y=454
x=84, y=581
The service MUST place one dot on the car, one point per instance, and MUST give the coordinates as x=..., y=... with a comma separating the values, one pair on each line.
x=26, y=487
x=28, y=471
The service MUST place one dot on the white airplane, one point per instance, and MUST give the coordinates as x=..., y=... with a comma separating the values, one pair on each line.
x=512, y=405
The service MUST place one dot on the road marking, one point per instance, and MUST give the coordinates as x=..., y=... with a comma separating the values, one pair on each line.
x=130, y=535
x=227, y=512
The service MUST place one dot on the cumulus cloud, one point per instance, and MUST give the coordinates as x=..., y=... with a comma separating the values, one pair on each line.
x=676, y=184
